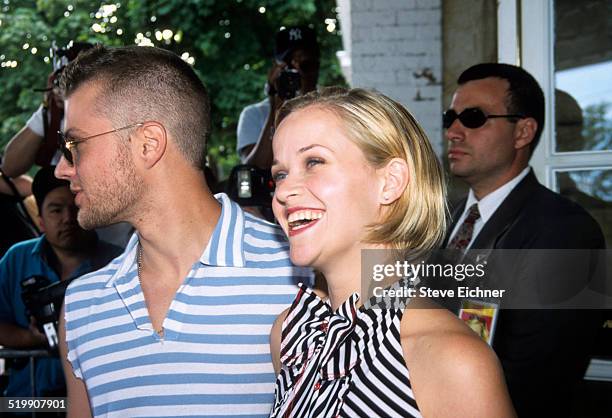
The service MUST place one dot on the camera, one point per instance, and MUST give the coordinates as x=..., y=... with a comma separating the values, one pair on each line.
x=289, y=83
x=43, y=300
x=250, y=186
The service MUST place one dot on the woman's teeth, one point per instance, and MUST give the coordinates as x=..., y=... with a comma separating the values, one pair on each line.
x=302, y=217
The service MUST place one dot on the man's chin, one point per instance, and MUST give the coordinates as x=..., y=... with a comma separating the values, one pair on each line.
x=458, y=171
x=87, y=223
x=87, y=226
x=73, y=246
x=76, y=243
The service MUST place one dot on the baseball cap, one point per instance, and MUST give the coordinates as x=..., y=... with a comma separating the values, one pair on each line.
x=295, y=37
x=44, y=182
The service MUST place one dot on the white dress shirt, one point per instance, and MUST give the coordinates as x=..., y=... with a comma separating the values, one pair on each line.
x=487, y=205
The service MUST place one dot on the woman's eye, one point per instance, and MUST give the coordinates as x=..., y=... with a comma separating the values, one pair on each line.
x=278, y=176
x=313, y=161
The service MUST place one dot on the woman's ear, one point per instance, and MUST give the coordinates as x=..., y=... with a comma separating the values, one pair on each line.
x=395, y=177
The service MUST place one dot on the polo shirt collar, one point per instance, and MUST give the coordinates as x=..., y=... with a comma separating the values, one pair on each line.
x=42, y=250
x=225, y=247
x=41, y=247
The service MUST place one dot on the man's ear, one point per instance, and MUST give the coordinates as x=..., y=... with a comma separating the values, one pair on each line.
x=395, y=177
x=524, y=132
x=41, y=223
x=152, y=143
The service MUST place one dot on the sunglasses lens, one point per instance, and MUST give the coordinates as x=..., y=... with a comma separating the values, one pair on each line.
x=448, y=118
x=472, y=118
x=64, y=149
x=68, y=155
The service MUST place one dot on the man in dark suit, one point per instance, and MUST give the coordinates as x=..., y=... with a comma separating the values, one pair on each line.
x=493, y=125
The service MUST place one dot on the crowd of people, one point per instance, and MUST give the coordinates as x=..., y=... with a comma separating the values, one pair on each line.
x=210, y=310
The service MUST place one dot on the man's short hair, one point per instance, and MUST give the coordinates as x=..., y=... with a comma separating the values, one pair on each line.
x=138, y=84
x=44, y=182
x=524, y=94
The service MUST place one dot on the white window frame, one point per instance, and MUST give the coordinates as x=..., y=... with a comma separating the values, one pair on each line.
x=525, y=36
x=525, y=33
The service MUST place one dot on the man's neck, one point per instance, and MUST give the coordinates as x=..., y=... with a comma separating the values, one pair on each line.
x=175, y=228
x=488, y=185
x=489, y=203
x=65, y=262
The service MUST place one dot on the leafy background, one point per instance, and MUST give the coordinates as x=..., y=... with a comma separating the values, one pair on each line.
x=228, y=42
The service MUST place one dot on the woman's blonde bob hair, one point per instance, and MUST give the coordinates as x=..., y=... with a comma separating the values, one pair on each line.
x=383, y=129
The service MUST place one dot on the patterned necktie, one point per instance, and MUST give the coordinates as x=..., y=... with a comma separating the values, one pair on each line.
x=464, y=234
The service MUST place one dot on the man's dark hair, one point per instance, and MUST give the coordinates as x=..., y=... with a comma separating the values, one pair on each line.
x=44, y=182
x=138, y=84
x=524, y=94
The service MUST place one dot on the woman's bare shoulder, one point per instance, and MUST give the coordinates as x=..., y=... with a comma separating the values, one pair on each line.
x=275, y=339
x=449, y=365
x=277, y=330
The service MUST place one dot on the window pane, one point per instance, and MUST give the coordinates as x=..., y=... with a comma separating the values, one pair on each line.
x=583, y=75
x=591, y=189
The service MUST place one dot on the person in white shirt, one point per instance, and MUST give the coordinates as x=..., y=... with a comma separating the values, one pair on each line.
x=296, y=52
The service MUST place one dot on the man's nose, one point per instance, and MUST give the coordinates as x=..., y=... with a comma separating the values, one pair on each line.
x=455, y=132
x=64, y=170
x=69, y=214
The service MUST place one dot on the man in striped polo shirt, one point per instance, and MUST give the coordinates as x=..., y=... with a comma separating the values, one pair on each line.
x=179, y=324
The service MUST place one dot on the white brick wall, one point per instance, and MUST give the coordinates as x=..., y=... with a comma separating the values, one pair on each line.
x=392, y=42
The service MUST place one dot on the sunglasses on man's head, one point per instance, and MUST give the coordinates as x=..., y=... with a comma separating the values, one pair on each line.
x=472, y=117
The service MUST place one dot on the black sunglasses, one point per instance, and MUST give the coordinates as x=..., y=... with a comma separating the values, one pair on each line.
x=472, y=117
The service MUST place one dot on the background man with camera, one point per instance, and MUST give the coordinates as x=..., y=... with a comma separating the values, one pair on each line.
x=64, y=252
x=37, y=141
x=295, y=71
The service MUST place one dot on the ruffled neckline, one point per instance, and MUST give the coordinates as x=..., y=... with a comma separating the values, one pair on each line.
x=313, y=326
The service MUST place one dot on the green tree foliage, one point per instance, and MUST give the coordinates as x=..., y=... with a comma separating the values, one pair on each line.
x=597, y=135
x=229, y=43
x=597, y=127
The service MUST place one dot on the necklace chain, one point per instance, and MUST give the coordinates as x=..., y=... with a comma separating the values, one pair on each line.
x=139, y=262
x=160, y=331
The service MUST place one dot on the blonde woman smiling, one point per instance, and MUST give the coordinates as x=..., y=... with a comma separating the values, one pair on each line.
x=353, y=171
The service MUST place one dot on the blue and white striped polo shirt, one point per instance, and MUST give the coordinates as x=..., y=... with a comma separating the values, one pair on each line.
x=214, y=358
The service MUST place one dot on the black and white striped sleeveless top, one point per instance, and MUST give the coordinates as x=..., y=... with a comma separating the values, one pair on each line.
x=347, y=363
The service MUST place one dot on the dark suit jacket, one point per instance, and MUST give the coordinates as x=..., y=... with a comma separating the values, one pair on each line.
x=543, y=352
